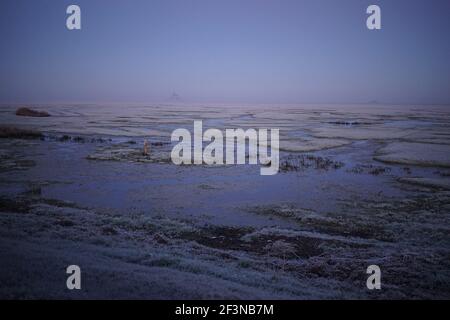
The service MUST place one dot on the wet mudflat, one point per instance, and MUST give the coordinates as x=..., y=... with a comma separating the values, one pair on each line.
x=357, y=186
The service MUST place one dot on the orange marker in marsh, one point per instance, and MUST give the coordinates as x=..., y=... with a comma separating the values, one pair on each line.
x=146, y=148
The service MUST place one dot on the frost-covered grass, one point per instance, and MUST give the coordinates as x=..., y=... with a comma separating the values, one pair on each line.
x=324, y=258
x=153, y=230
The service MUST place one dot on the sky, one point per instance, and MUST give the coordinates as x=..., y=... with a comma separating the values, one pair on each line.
x=227, y=51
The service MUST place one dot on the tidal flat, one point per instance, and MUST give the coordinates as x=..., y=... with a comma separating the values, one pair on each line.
x=358, y=185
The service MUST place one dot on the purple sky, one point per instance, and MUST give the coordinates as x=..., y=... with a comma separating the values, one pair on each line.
x=246, y=51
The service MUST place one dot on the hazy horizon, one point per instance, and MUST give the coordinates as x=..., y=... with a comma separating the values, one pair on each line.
x=250, y=52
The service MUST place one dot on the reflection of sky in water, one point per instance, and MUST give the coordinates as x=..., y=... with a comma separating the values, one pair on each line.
x=221, y=194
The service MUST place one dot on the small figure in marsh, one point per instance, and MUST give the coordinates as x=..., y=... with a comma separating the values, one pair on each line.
x=146, y=150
